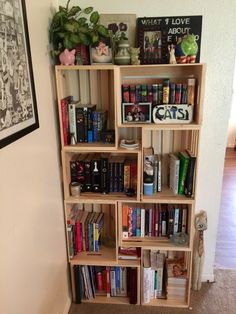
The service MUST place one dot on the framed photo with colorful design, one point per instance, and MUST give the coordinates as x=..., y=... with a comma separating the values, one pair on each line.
x=152, y=41
x=18, y=109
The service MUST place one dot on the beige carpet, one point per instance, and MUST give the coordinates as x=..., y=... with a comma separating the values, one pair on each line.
x=214, y=298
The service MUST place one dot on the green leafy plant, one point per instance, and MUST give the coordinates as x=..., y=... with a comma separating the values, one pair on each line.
x=73, y=26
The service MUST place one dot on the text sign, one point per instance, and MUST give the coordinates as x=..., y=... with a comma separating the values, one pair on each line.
x=181, y=113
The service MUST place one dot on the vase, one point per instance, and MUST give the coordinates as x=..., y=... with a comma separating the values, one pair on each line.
x=122, y=56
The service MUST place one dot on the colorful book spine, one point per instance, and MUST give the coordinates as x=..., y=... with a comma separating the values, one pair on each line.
x=142, y=222
x=138, y=224
x=130, y=228
x=125, y=211
x=134, y=221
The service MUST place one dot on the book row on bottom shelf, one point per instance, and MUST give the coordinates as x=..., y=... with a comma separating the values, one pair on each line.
x=163, y=278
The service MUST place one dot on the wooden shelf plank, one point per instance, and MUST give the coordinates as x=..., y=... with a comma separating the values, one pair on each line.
x=100, y=198
x=85, y=67
x=106, y=300
x=166, y=302
x=155, y=244
x=105, y=257
x=90, y=147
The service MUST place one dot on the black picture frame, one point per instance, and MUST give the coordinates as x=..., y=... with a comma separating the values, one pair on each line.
x=137, y=113
x=152, y=41
x=18, y=106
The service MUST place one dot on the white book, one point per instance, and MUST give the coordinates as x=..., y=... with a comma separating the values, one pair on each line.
x=142, y=222
x=152, y=281
x=146, y=284
x=72, y=118
x=176, y=220
x=174, y=173
x=113, y=282
x=159, y=174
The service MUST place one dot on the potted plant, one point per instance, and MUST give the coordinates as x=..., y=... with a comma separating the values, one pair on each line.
x=71, y=27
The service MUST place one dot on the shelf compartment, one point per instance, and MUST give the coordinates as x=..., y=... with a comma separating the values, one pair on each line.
x=101, y=297
x=146, y=74
x=170, y=282
x=90, y=85
x=116, y=163
x=86, y=214
x=149, y=219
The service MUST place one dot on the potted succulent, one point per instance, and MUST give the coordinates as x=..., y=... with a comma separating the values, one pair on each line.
x=71, y=27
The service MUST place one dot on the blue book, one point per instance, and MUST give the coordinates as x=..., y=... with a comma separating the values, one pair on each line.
x=117, y=271
x=134, y=221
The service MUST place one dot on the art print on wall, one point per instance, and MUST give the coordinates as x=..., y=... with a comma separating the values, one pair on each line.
x=121, y=26
x=18, y=110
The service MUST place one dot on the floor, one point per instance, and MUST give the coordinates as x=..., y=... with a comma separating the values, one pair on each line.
x=226, y=237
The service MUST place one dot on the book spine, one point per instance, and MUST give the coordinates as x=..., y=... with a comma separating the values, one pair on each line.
x=163, y=224
x=99, y=282
x=85, y=125
x=125, y=221
x=150, y=222
x=188, y=190
x=176, y=220
x=155, y=179
x=78, y=243
x=117, y=272
x=170, y=231
x=72, y=121
x=138, y=223
x=130, y=216
x=108, y=282
x=70, y=241
x=80, y=124
x=104, y=176
x=142, y=222
x=126, y=176
x=64, y=120
x=180, y=220
x=133, y=175
x=95, y=126
x=184, y=220
x=134, y=221
x=146, y=285
x=96, y=175
x=156, y=221
x=96, y=238
x=113, y=281
x=182, y=174
x=78, y=284
x=87, y=176
x=116, y=178
x=159, y=176
x=80, y=174
x=121, y=177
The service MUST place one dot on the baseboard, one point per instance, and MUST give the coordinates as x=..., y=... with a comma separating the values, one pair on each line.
x=67, y=306
x=208, y=278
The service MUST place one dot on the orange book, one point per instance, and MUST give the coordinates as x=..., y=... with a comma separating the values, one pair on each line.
x=125, y=221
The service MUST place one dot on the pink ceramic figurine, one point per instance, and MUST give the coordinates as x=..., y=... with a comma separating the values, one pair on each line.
x=67, y=57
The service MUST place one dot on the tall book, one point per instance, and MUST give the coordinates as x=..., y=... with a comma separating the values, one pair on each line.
x=96, y=173
x=174, y=173
x=80, y=124
x=188, y=189
x=104, y=175
x=72, y=118
x=65, y=118
x=184, y=161
x=87, y=173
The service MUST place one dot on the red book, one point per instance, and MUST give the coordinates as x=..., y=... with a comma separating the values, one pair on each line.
x=153, y=222
x=108, y=281
x=65, y=119
x=130, y=226
x=99, y=281
x=133, y=174
x=78, y=236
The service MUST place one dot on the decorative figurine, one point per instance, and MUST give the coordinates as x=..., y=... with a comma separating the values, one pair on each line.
x=172, y=59
x=198, y=251
x=186, y=49
x=122, y=56
x=67, y=57
x=134, y=53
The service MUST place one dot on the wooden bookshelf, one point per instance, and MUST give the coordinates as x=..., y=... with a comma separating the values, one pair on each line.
x=101, y=85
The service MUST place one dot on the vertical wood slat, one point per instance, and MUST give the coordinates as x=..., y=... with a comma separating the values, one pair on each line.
x=84, y=87
x=93, y=77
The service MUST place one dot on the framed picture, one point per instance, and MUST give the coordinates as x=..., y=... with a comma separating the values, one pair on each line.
x=121, y=26
x=152, y=41
x=18, y=109
x=137, y=113
x=102, y=51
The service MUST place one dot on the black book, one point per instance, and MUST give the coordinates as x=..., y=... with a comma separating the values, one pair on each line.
x=160, y=223
x=171, y=216
x=133, y=286
x=104, y=175
x=146, y=221
x=96, y=174
x=188, y=189
x=80, y=124
x=120, y=171
x=87, y=174
x=90, y=109
x=78, y=285
x=180, y=220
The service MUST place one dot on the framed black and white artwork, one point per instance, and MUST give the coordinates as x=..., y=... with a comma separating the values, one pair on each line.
x=18, y=108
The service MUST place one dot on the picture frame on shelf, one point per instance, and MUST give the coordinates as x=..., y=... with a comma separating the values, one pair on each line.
x=102, y=51
x=152, y=41
x=120, y=25
x=18, y=108
x=137, y=112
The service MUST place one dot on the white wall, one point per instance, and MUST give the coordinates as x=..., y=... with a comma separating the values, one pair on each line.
x=33, y=276
x=231, y=141
x=218, y=51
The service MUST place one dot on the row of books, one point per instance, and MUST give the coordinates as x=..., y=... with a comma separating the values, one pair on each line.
x=182, y=167
x=104, y=173
x=81, y=123
x=163, y=93
x=84, y=230
x=158, y=220
x=163, y=277
x=91, y=281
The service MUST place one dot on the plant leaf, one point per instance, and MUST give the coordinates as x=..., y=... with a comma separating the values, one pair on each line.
x=83, y=29
x=85, y=39
x=82, y=21
x=103, y=31
x=94, y=17
x=75, y=39
x=88, y=10
x=74, y=10
x=95, y=38
x=70, y=27
x=67, y=42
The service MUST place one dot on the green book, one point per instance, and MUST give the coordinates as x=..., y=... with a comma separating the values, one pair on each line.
x=184, y=161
